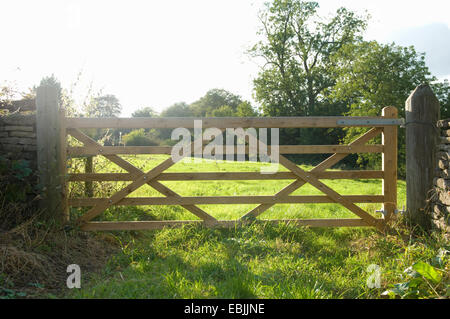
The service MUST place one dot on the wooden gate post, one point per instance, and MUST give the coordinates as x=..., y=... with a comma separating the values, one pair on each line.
x=51, y=152
x=422, y=113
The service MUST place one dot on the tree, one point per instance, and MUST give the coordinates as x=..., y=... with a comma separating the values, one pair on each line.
x=145, y=112
x=297, y=48
x=140, y=138
x=371, y=76
x=214, y=99
x=142, y=112
x=223, y=111
x=180, y=109
x=442, y=92
x=103, y=106
x=245, y=109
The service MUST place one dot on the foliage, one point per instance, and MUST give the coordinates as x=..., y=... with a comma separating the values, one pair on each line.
x=442, y=92
x=223, y=111
x=145, y=112
x=371, y=76
x=213, y=100
x=318, y=67
x=215, y=103
x=424, y=280
x=14, y=185
x=18, y=191
x=103, y=106
x=245, y=109
x=177, y=110
x=139, y=138
x=297, y=49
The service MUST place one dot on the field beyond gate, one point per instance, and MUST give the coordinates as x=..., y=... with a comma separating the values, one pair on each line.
x=297, y=175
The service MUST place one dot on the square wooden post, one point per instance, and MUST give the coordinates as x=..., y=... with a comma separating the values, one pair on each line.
x=51, y=152
x=62, y=161
x=422, y=113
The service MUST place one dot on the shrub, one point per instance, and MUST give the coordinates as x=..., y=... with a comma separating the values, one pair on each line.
x=139, y=138
x=17, y=192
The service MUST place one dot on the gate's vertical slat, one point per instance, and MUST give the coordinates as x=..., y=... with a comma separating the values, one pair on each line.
x=389, y=163
x=62, y=163
x=89, y=168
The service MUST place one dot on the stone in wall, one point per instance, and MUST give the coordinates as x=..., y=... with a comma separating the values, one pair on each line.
x=18, y=137
x=440, y=198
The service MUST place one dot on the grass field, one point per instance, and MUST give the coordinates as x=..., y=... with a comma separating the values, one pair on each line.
x=256, y=261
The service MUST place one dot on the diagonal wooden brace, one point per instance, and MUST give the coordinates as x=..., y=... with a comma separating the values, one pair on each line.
x=312, y=180
x=328, y=163
x=134, y=170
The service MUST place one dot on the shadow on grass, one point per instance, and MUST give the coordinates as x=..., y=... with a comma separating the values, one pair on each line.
x=255, y=261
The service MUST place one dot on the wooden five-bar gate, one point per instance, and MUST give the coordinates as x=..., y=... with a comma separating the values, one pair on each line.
x=386, y=125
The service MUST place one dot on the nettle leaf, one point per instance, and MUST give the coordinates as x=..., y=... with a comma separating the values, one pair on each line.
x=427, y=271
x=415, y=282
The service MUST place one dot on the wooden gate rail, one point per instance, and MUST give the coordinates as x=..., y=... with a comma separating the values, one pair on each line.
x=224, y=200
x=224, y=176
x=284, y=149
x=300, y=177
x=222, y=122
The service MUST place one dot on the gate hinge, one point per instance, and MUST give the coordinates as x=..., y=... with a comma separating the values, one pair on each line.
x=395, y=211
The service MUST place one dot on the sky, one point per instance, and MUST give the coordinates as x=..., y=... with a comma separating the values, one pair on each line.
x=157, y=53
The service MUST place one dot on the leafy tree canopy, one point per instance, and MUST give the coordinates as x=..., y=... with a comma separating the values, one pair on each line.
x=371, y=76
x=297, y=47
x=145, y=112
x=103, y=106
x=177, y=110
x=214, y=99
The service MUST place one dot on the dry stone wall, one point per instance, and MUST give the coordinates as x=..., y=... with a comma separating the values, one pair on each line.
x=440, y=195
x=18, y=137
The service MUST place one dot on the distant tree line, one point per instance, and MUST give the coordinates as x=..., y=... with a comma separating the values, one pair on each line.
x=215, y=103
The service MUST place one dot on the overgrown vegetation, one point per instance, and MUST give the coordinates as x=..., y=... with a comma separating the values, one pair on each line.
x=140, y=138
x=18, y=192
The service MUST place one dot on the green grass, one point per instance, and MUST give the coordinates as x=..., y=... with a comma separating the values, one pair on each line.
x=236, y=188
x=256, y=261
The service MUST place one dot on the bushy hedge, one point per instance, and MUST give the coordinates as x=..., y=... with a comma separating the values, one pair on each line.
x=139, y=138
